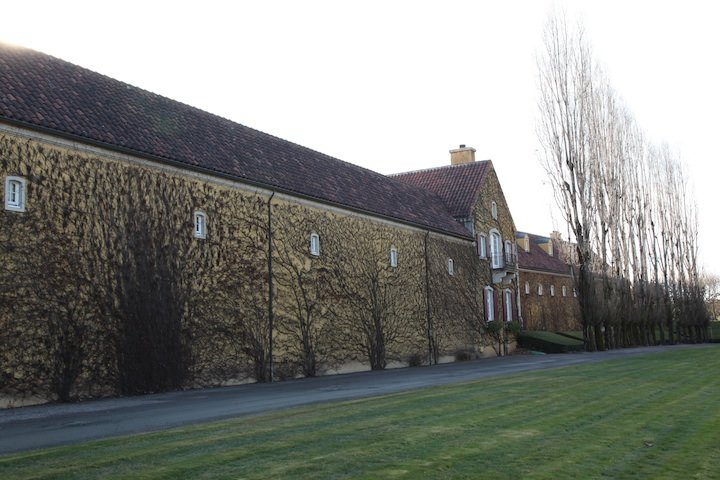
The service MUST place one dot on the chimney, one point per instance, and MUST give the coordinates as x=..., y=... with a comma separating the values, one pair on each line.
x=462, y=155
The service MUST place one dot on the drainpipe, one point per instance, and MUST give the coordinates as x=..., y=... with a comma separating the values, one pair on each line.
x=270, y=288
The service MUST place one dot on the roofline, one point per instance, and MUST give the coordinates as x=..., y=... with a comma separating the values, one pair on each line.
x=208, y=171
x=545, y=272
x=431, y=169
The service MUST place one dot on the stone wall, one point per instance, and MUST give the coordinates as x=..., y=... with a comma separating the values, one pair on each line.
x=547, y=311
x=105, y=290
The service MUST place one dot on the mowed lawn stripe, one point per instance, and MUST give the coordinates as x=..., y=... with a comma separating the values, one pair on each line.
x=655, y=416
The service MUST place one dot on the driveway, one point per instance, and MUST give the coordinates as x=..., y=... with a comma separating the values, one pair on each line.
x=43, y=426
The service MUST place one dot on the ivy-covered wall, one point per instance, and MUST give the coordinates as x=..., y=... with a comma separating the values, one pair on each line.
x=105, y=290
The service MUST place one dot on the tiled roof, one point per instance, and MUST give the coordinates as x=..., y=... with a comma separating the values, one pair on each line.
x=42, y=92
x=457, y=185
x=537, y=258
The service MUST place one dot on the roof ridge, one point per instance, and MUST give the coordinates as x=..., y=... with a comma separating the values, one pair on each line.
x=432, y=169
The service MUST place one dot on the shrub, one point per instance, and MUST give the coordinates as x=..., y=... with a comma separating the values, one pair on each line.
x=549, y=342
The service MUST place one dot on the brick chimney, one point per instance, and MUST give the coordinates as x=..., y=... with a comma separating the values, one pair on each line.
x=462, y=155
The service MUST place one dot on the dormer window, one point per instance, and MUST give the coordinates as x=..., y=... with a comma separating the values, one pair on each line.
x=493, y=210
x=393, y=257
x=15, y=194
x=200, y=221
x=450, y=266
x=314, y=244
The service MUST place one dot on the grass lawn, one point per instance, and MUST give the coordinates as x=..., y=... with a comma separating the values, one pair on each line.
x=654, y=417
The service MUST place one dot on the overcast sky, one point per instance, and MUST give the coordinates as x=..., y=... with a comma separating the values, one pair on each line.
x=393, y=85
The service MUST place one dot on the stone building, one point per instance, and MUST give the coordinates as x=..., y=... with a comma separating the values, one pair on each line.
x=147, y=245
x=548, y=299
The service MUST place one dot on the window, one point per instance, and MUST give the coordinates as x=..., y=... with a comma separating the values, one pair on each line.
x=564, y=291
x=489, y=304
x=15, y=194
x=493, y=210
x=527, y=243
x=451, y=266
x=540, y=289
x=508, y=252
x=314, y=244
x=508, y=305
x=393, y=257
x=552, y=290
x=574, y=293
x=527, y=288
x=200, y=225
x=482, y=245
x=496, y=249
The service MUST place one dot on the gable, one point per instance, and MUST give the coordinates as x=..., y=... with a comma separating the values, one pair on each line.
x=457, y=185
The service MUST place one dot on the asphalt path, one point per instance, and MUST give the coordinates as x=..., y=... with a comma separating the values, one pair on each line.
x=42, y=426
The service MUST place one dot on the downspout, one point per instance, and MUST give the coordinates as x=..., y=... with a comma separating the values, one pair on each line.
x=270, y=288
x=427, y=302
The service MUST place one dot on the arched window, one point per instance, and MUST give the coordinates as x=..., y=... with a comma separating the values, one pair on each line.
x=493, y=210
x=508, y=305
x=489, y=304
x=451, y=266
x=200, y=221
x=15, y=194
x=393, y=257
x=314, y=244
x=496, y=258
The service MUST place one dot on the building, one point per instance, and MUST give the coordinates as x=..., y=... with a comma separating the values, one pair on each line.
x=548, y=296
x=149, y=245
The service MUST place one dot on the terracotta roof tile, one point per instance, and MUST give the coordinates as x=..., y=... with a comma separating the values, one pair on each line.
x=40, y=91
x=457, y=185
x=537, y=258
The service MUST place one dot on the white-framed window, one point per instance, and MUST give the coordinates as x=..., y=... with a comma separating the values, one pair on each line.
x=393, y=257
x=493, y=210
x=574, y=292
x=482, y=245
x=200, y=222
x=489, y=304
x=527, y=243
x=527, y=288
x=15, y=194
x=314, y=244
x=540, y=289
x=508, y=305
x=552, y=290
x=451, y=266
x=564, y=291
x=508, y=252
x=496, y=256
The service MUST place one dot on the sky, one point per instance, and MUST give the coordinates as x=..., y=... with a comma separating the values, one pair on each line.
x=394, y=85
